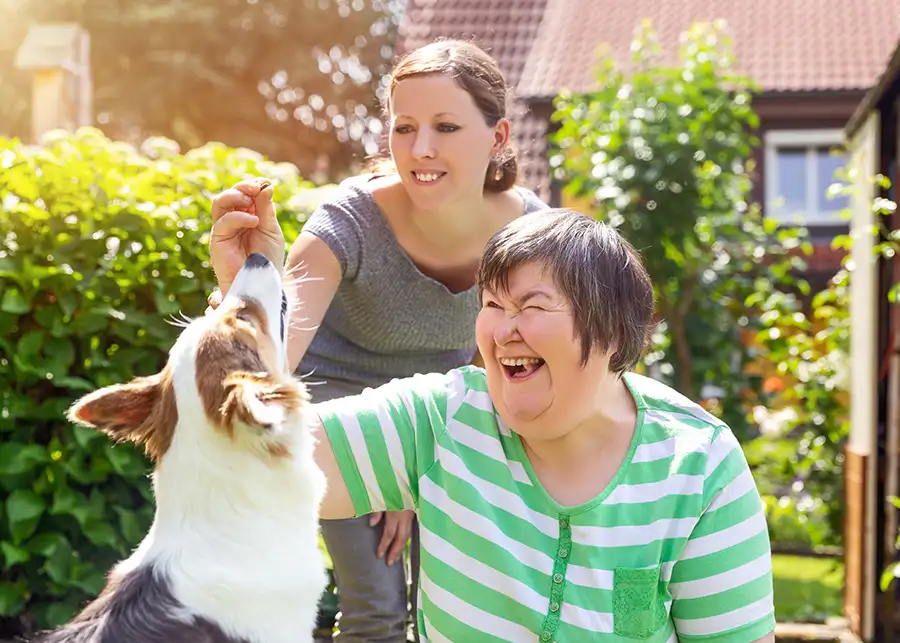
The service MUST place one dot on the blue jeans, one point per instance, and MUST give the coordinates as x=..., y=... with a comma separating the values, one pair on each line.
x=372, y=597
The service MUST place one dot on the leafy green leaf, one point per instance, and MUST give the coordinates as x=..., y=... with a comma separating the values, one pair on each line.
x=12, y=598
x=129, y=525
x=12, y=555
x=23, y=510
x=58, y=565
x=14, y=302
x=60, y=612
x=46, y=543
x=891, y=573
x=17, y=458
x=101, y=533
x=67, y=501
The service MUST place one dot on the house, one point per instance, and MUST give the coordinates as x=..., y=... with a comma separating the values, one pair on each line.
x=813, y=59
x=820, y=66
x=873, y=453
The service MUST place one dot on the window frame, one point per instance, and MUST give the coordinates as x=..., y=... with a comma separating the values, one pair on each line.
x=810, y=139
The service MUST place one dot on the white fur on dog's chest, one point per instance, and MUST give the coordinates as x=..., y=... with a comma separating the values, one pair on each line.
x=273, y=603
x=238, y=540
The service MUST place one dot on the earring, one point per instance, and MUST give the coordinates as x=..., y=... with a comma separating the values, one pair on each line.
x=498, y=171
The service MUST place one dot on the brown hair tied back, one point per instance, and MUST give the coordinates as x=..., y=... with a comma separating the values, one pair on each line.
x=478, y=74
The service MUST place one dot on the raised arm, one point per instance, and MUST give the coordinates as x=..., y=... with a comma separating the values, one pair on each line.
x=311, y=279
x=244, y=221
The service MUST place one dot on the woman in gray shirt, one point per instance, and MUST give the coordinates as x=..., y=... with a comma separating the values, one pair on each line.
x=390, y=292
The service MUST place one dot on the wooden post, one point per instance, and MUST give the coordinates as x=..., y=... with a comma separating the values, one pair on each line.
x=58, y=55
x=861, y=465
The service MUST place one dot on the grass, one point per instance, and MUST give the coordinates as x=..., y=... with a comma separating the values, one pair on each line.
x=807, y=590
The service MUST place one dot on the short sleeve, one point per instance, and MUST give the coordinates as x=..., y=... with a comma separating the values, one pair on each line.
x=384, y=439
x=721, y=585
x=338, y=223
x=532, y=202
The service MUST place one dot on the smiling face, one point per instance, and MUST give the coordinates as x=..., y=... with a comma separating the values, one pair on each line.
x=533, y=356
x=441, y=142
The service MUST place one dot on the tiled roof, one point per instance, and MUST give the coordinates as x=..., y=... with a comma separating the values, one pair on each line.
x=505, y=28
x=783, y=45
x=543, y=46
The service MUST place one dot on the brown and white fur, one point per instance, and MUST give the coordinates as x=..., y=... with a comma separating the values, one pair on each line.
x=232, y=555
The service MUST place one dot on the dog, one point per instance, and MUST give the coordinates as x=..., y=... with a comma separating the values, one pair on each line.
x=232, y=555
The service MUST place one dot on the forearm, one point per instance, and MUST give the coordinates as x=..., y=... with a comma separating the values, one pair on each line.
x=311, y=280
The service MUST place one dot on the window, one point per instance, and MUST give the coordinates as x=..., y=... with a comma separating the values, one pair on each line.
x=800, y=165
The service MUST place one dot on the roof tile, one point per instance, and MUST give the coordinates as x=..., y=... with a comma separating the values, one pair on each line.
x=504, y=28
x=783, y=45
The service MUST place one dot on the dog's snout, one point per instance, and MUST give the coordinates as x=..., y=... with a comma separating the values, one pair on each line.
x=256, y=260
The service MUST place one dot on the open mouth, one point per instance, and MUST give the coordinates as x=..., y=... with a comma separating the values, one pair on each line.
x=521, y=368
x=428, y=178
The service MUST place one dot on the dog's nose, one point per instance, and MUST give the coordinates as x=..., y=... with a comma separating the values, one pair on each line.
x=256, y=260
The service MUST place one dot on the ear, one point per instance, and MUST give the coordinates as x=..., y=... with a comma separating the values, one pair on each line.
x=501, y=134
x=142, y=411
x=259, y=401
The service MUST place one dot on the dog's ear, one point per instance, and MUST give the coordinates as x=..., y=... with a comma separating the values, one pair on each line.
x=258, y=401
x=142, y=411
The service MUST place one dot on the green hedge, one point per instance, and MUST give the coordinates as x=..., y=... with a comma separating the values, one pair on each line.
x=100, y=244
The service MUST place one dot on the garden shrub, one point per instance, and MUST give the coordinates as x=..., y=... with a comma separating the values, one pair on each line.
x=101, y=244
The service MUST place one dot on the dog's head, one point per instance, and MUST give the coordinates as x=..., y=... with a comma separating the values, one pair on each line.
x=225, y=382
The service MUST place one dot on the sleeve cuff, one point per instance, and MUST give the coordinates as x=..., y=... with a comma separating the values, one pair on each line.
x=744, y=634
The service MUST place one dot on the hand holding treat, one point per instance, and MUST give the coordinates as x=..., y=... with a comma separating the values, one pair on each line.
x=243, y=222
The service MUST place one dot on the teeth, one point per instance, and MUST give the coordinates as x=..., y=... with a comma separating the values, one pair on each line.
x=427, y=178
x=519, y=361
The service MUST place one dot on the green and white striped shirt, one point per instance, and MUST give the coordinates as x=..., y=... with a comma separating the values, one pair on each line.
x=675, y=546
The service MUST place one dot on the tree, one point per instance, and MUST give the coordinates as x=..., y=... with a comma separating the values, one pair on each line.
x=662, y=151
x=799, y=458
x=296, y=80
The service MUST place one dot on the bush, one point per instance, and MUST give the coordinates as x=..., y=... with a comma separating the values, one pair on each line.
x=100, y=245
x=661, y=150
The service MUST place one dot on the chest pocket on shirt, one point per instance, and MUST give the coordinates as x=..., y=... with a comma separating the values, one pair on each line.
x=638, y=606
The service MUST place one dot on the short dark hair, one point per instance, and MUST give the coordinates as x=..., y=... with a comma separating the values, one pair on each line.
x=598, y=271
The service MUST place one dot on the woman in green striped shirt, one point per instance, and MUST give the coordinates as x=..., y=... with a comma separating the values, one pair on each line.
x=561, y=497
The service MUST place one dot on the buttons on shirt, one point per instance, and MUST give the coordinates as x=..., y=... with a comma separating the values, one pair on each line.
x=555, y=600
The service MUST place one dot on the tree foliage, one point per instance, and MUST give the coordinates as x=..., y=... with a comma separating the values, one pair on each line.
x=100, y=245
x=661, y=149
x=296, y=80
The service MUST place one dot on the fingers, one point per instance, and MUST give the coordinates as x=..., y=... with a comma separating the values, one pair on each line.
x=231, y=223
x=232, y=199
x=397, y=530
x=240, y=196
x=265, y=207
x=400, y=539
x=375, y=518
x=387, y=536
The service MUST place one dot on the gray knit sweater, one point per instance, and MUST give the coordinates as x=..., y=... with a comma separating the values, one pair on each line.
x=387, y=319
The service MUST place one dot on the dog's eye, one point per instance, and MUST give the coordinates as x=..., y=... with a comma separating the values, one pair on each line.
x=244, y=316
